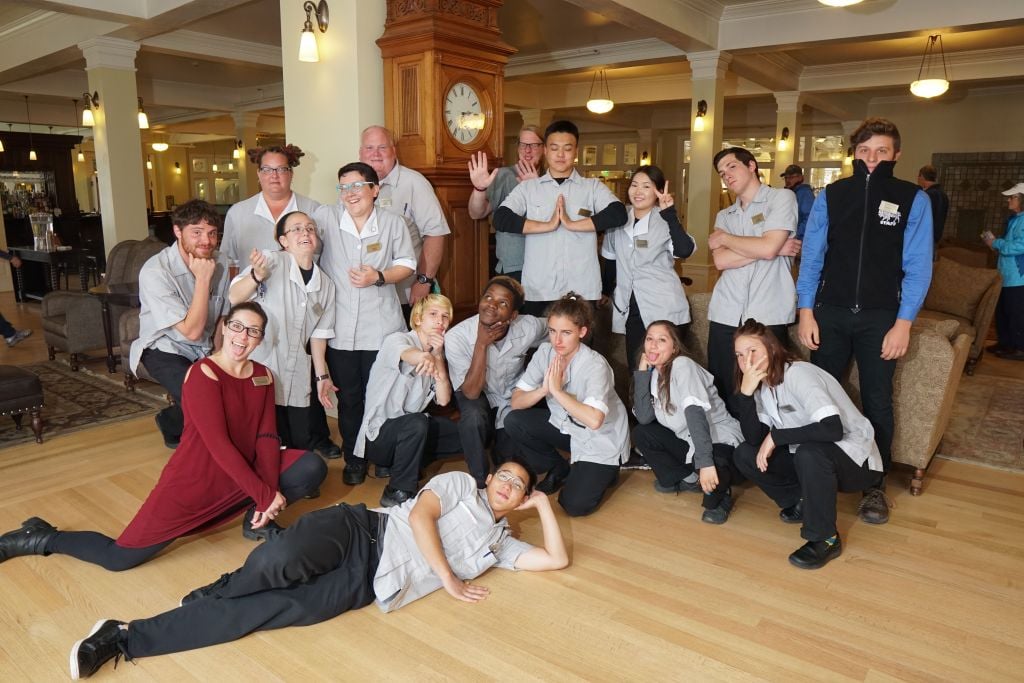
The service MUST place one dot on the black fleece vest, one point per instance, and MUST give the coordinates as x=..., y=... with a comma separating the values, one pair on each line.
x=867, y=218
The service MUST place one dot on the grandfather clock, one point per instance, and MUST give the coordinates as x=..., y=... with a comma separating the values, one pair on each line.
x=444, y=63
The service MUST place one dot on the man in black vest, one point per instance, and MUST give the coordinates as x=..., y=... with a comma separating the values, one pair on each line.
x=867, y=264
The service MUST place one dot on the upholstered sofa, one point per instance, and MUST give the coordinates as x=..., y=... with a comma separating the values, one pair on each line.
x=966, y=294
x=924, y=388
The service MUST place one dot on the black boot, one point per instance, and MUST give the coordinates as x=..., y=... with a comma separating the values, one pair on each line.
x=30, y=539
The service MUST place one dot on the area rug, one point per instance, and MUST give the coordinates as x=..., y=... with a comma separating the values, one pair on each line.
x=77, y=400
x=987, y=424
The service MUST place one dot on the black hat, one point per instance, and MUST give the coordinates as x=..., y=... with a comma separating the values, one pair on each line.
x=792, y=169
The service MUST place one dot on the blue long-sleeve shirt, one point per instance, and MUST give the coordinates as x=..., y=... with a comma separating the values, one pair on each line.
x=1011, y=252
x=917, y=255
x=804, y=202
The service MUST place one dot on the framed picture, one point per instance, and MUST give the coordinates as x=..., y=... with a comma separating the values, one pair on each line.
x=629, y=154
x=590, y=155
x=199, y=165
x=610, y=155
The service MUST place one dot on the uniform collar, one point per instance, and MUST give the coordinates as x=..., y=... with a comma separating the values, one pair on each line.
x=884, y=169
x=393, y=177
x=295, y=275
x=760, y=197
x=263, y=210
x=348, y=225
x=573, y=177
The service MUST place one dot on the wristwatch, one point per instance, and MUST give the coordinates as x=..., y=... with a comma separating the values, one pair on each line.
x=380, y=279
x=423, y=279
x=321, y=378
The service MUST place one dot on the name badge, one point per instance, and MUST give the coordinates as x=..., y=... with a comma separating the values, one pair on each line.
x=640, y=244
x=888, y=214
x=586, y=213
x=318, y=310
x=758, y=218
x=372, y=248
x=261, y=381
x=384, y=201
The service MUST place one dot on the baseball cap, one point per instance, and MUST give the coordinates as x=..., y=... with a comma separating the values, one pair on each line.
x=792, y=169
x=1016, y=189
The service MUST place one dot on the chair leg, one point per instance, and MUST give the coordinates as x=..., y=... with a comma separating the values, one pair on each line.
x=51, y=352
x=129, y=381
x=37, y=423
x=971, y=363
x=917, y=482
x=74, y=362
x=17, y=421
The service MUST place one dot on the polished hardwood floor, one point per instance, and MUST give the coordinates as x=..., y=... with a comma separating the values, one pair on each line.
x=651, y=594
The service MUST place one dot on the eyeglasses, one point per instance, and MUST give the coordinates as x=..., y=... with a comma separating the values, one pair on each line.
x=275, y=170
x=237, y=326
x=530, y=145
x=309, y=228
x=506, y=476
x=345, y=188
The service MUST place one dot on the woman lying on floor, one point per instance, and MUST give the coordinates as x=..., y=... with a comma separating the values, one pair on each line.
x=229, y=460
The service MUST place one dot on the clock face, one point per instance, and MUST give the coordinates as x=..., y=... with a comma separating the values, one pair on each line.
x=463, y=113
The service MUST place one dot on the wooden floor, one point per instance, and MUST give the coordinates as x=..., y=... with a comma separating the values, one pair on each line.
x=652, y=593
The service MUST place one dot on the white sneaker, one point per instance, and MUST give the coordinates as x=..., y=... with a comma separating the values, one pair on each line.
x=18, y=336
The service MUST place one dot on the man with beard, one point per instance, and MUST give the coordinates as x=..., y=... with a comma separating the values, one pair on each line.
x=183, y=290
x=486, y=357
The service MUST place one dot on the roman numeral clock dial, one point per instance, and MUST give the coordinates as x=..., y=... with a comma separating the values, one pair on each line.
x=464, y=113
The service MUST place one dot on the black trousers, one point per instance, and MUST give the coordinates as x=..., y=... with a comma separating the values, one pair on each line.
x=722, y=358
x=476, y=429
x=1010, y=318
x=409, y=443
x=320, y=567
x=169, y=370
x=666, y=454
x=295, y=425
x=350, y=371
x=296, y=482
x=814, y=473
x=6, y=328
x=539, y=443
x=636, y=333
x=844, y=334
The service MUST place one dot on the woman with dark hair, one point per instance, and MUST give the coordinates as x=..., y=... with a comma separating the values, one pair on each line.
x=299, y=301
x=804, y=440
x=644, y=249
x=684, y=427
x=581, y=412
x=229, y=460
x=367, y=252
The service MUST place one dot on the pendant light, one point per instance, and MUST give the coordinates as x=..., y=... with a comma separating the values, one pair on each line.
x=31, y=147
x=931, y=87
x=602, y=102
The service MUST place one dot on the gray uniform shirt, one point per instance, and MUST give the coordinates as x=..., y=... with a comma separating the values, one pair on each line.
x=508, y=247
x=763, y=290
x=506, y=359
x=645, y=267
x=394, y=388
x=296, y=312
x=808, y=394
x=364, y=316
x=166, y=286
x=249, y=225
x=692, y=385
x=409, y=195
x=473, y=542
x=589, y=378
x=562, y=260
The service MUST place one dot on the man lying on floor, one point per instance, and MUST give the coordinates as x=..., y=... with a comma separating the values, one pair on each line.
x=341, y=558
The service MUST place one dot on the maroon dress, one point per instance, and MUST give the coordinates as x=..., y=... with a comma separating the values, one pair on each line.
x=229, y=455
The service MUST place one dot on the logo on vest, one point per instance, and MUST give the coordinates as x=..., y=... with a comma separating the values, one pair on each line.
x=889, y=214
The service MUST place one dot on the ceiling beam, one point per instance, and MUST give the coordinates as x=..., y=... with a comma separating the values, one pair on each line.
x=690, y=25
x=607, y=55
x=194, y=44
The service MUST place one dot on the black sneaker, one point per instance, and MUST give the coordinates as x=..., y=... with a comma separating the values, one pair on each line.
x=680, y=486
x=719, y=514
x=874, y=507
x=381, y=472
x=794, y=514
x=816, y=554
x=554, y=480
x=355, y=472
x=264, y=533
x=103, y=643
x=636, y=461
x=207, y=590
x=392, y=497
x=329, y=450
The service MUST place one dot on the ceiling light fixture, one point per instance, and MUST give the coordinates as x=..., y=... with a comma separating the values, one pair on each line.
x=931, y=87
x=698, y=121
x=31, y=147
x=143, y=119
x=90, y=102
x=602, y=104
x=839, y=3
x=159, y=146
x=308, y=51
x=784, y=139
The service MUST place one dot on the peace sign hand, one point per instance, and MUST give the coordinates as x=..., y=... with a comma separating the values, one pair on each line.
x=665, y=200
x=752, y=374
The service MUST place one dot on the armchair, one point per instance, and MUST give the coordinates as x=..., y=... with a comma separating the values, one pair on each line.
x=72, y=323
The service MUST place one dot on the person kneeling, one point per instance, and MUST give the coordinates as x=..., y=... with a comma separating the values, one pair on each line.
x=804, y=440
x=342, y=558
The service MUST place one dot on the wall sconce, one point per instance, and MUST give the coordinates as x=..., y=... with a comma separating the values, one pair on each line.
x=645, y=159
x=698, y=121
x=931, y=87
x=784, y=140
x=74, y=117
x=149, y=163
x=177, y=168
x=143, y=119
x=90, y=102
x=308, y=51
x=602, y=103
x=31, y=147
x=849, y=156
x=236, y=153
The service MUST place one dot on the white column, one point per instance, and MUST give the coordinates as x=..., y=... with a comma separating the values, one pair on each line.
x=110, y=65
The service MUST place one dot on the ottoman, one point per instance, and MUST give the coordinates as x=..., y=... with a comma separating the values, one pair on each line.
x=21, y=392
